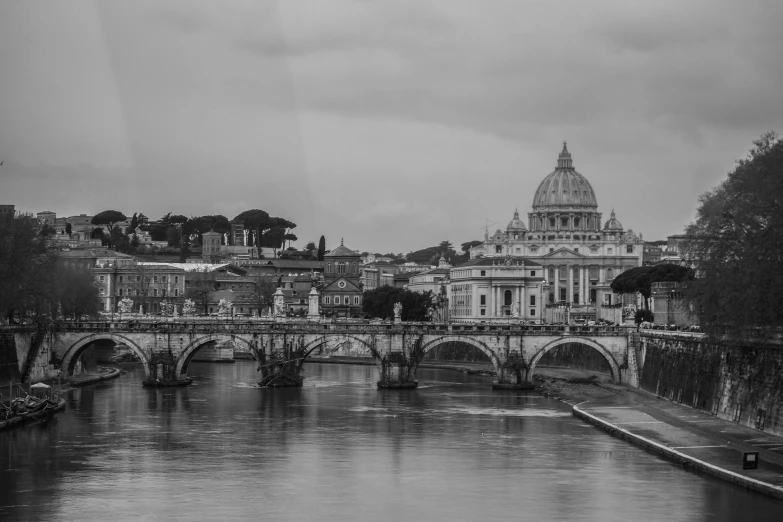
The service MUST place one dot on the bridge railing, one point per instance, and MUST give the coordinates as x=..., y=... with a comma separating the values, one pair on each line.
x=207, y=325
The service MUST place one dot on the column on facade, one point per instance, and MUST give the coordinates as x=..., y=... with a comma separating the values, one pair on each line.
x=569, y=283
x=557, y=283
x=601, y=275
x=583, y=285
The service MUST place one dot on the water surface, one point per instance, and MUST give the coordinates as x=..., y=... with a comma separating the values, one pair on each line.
x=340, y=449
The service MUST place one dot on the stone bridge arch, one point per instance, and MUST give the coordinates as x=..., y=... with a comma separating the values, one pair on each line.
x=72, y=354
x=493, y=356
x=320, y=340
x=184, y=358
x=614, y=367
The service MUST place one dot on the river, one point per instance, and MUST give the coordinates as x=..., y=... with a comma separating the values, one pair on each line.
x=340, y=449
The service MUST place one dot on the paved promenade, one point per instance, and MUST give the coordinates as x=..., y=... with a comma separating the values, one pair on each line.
x=693, y=438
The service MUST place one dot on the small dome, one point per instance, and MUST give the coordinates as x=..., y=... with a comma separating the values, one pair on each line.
x=516, y=224
x=564, y=187
x=613, y=224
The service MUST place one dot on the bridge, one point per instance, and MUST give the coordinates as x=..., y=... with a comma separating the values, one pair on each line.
x=166, y=347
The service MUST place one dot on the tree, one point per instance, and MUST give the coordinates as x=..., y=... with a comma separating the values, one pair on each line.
x=47, y=230
x=310, y=247
x=97, y=233
x=256, y=222
x=321, y=248
x=470, y=244
x=133, y=224
x=639, y=279
x=144, y=222
x=108, y=218
x=198, y=286
x=289, y=237
x=173, y=236
x=263, y=292
x=68, y=229
x=379, y=302
x=736, y=244
x=120, y=241
x=77, y=294
x=26, y=268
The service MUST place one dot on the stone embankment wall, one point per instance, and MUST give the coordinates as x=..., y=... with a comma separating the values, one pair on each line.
x=739, y=384
x=9, y=363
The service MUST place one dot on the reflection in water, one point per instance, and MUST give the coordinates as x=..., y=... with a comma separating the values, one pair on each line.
x=340, y=449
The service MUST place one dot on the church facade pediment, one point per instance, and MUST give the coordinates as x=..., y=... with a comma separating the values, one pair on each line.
x=342, y=285
x=563, y=253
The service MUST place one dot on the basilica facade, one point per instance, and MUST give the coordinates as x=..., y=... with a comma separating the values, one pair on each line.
x=578, y=253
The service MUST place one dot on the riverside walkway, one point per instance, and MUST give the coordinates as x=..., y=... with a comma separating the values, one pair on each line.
x=695, y=439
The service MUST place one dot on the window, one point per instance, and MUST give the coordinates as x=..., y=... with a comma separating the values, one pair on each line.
x=519, y=250
x=498, y=249
x=154, y=279
x=102, y=279
x=552, y=222
x=532, y=311
x=328, y=268
x=340, y=268
x=483, y=311
x=138, y=278
x=564, y=222
x=176, y=292
x=532, y=300
x=507, y=298
x=356, y=299
x=576, y=250
x=101, y=291
x=551, y=250
x=155, y=292
x=121, y=279
x=610, y=250
x=629, y=249
x=609, y=274
x=483, y=299
x=532, y=273
x=761, y=417
x=163, y=279
x=576, y=222
x=327, y=299
x=119, y=292
x=176, y=279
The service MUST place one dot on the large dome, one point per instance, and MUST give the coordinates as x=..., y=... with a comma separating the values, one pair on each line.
x=564, y=188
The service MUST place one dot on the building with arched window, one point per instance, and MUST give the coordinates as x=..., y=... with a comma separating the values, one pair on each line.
x=341, y=295
x=579, y=257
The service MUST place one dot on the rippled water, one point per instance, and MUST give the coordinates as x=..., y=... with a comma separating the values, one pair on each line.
x=340, y=449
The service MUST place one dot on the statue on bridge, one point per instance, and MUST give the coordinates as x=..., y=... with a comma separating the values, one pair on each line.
x=515, y=310
x=397, y=312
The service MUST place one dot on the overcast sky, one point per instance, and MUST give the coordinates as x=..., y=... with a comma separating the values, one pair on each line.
x=394, y=124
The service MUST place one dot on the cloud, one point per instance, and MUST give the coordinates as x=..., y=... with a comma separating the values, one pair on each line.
x=392, y=123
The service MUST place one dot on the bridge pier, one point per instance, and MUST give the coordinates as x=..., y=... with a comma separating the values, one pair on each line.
x=163, y=372
x=513, y=375
x=397, y=372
